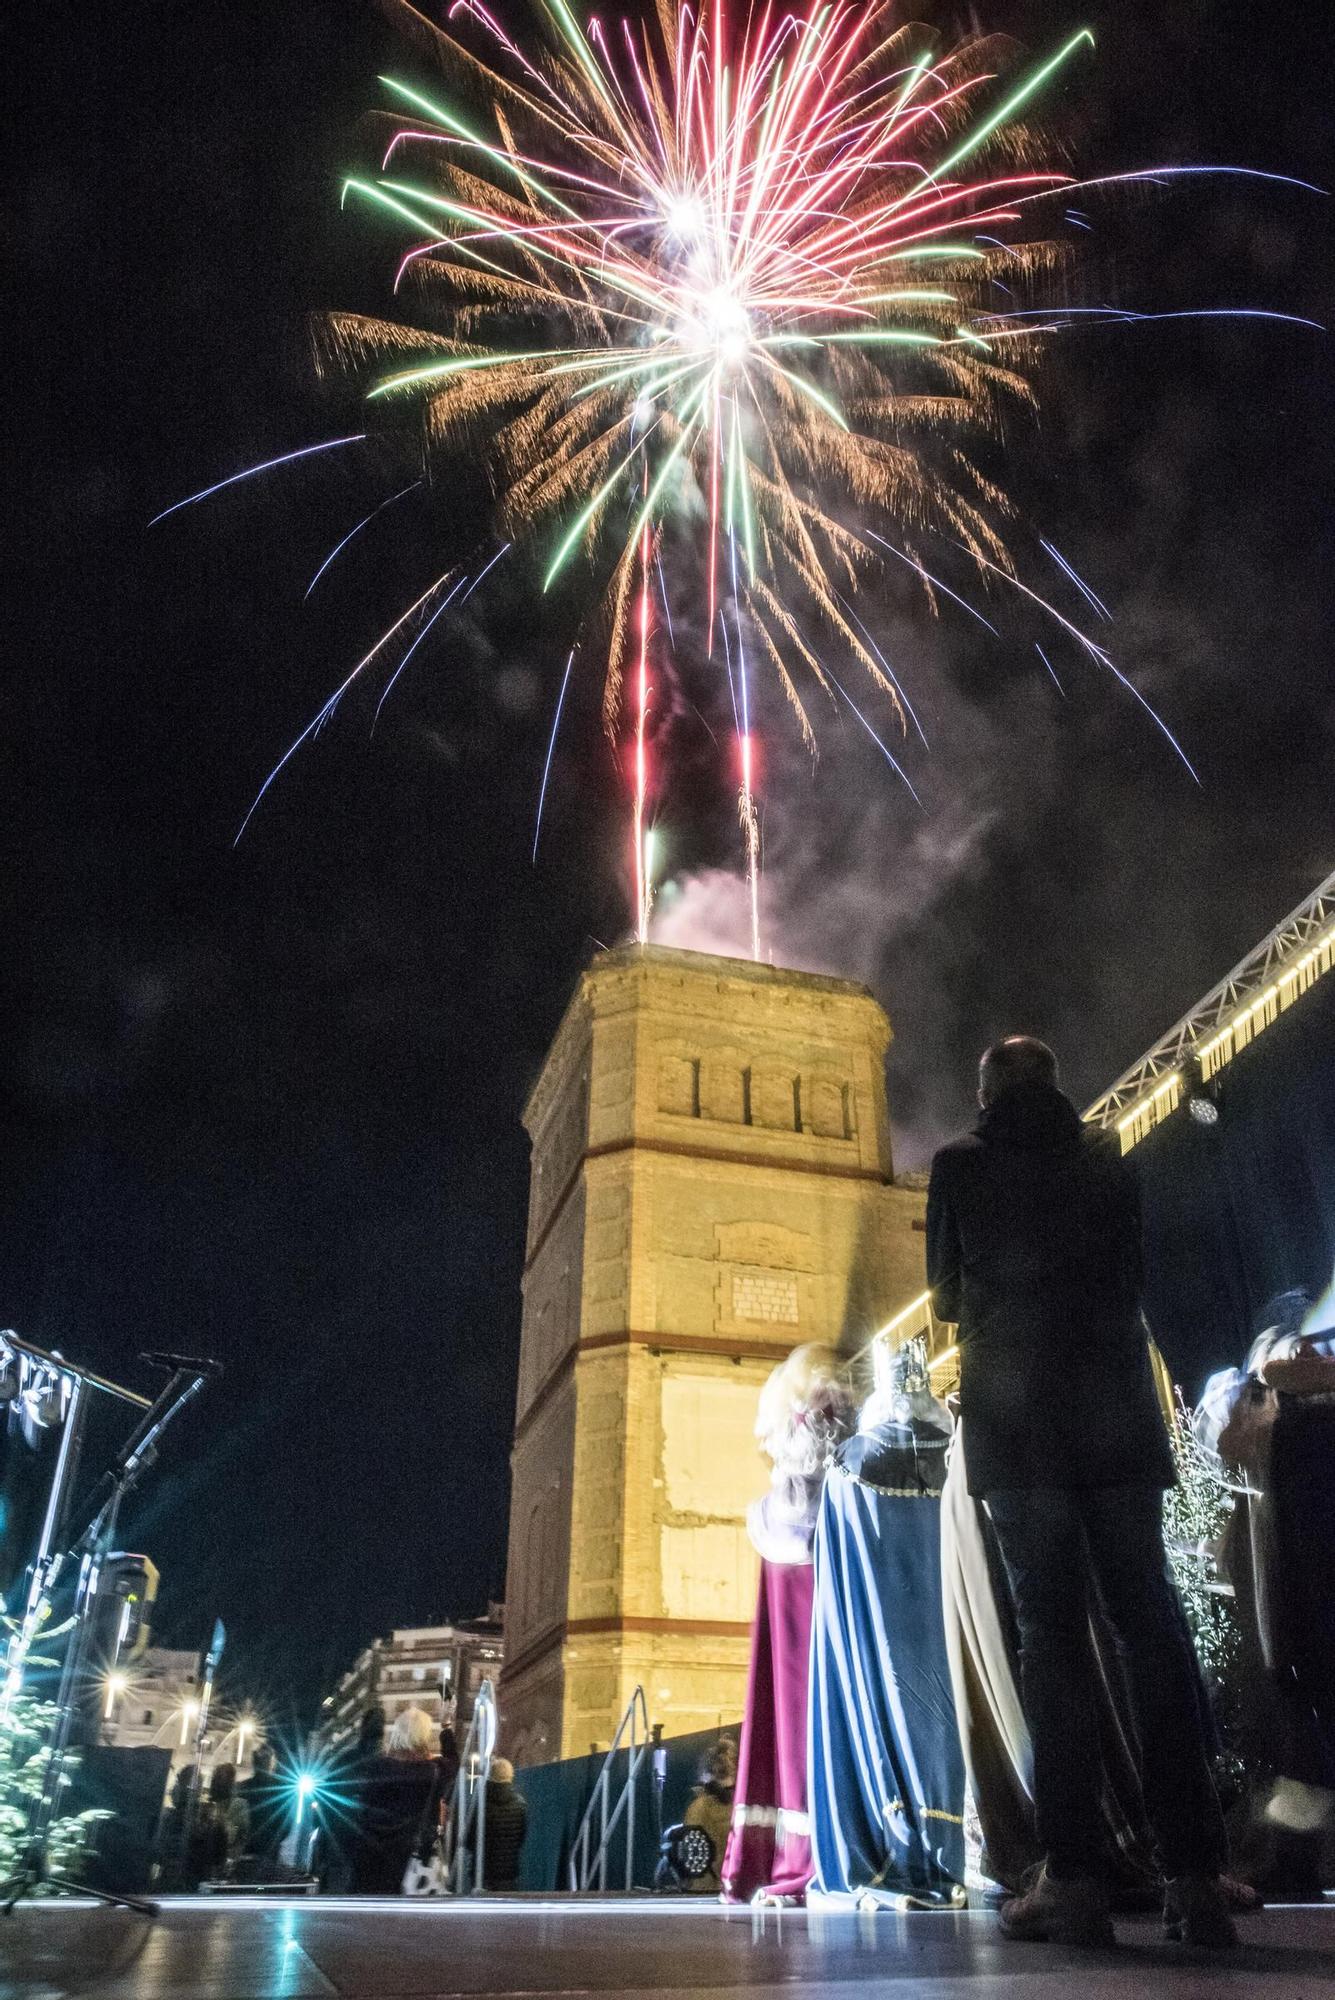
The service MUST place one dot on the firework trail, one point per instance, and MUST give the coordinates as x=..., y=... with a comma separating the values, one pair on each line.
x=353, y=532
x=252, y=471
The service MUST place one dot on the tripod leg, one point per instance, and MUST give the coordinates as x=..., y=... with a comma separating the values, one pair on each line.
x=107, y=1896
x=15, y=1889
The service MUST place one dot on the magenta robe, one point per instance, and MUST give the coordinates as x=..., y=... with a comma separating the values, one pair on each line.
x=769, y=1847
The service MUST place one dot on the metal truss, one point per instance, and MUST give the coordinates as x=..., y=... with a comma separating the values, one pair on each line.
x=1252, y=996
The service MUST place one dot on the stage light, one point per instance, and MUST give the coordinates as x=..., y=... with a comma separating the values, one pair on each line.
x=1197, y=1093
x=51, y=1402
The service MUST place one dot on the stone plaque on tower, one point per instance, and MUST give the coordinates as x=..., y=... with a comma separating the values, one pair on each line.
x=711, y=1185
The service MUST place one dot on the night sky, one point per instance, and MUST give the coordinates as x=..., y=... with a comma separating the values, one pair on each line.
x=264, y=1102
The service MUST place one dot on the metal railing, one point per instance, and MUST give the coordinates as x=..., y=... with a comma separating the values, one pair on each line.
x=588, y=1863
x=466, y=1832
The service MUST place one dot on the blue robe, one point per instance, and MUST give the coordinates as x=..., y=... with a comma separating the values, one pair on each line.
x=885, y=1769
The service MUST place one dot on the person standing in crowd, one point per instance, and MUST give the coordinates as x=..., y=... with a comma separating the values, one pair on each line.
x=449, y=1763
x=505, y=1818
x=710, y=1808
x=441, y=1803
x=222, y=1826
x=392, y=1796
x=982, y=1643
x=172, y=1842
x=265, y=1798
x=344, y=1825
x=1033, y=1250
x=231, y=1809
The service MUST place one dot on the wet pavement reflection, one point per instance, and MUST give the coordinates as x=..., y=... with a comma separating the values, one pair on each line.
x=257, y=1949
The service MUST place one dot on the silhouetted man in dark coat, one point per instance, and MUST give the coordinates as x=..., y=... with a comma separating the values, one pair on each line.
x=1033, y=1249
x=506, y=1823
x=267, y=1799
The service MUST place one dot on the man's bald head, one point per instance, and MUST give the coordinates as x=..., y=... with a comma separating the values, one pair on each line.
x=1013, y=1064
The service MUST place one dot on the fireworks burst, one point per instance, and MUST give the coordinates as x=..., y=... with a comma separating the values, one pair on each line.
x=712, y=295
x=707, y=290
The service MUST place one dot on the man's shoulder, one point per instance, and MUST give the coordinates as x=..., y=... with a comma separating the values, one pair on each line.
x=957, y=1153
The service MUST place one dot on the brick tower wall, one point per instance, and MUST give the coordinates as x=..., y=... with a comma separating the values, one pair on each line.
x=712, y=1184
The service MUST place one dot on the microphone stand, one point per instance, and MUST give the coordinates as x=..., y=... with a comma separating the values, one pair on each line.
x=50, y=1548
x=93, y=1547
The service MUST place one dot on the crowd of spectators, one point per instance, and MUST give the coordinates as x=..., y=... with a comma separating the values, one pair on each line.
x=379, y=1818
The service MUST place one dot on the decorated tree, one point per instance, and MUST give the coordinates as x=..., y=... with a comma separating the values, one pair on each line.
x=1196, y=1515
x=27, y=1724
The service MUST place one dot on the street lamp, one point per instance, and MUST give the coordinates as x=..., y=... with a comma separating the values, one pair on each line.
x=189, y=1710
x=305, y=1829
x=116, y=1685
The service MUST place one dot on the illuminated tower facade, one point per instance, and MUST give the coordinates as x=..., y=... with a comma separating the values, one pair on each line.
x=711, y=1185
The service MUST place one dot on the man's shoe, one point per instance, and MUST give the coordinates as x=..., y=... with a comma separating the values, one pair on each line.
x=1196, y=1912
x=1060, y=1912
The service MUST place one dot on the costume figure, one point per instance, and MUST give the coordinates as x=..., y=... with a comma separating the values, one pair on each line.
x=886, y=1776
x=805, y=1413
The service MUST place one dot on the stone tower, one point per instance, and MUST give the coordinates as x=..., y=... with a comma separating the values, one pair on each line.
x=711, y=1185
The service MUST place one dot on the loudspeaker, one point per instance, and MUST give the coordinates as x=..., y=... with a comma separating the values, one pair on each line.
x=130, y=1784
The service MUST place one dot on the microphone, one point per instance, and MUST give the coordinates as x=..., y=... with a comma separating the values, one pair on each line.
x=185, y=1364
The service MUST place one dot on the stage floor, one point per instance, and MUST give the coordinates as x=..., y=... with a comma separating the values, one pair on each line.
x=227, y=1949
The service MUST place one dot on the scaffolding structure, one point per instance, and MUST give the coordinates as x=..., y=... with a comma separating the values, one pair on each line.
x=1230, y=1017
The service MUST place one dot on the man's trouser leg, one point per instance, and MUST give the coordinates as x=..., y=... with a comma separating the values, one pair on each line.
x=1124, y=1534
x=1042, y=1539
